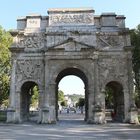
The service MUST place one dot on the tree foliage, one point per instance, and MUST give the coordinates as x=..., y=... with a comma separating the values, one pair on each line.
x=64, y=103
x=109, y=99
x=5, y=42
x=61, y=97
x=135, y=41
x=35, y=97
x=81, y=102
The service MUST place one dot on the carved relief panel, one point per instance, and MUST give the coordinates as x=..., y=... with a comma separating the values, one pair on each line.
x=29, y=69
x=112, y=41
x=71, y=19
x=112, y=69
x=35, y=41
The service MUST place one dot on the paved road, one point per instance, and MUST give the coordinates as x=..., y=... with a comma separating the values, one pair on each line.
x=70, y=127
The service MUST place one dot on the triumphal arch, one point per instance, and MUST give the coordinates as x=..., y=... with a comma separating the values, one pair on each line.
x=96, y=48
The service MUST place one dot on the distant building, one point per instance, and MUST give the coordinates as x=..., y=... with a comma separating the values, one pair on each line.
x=68, y=100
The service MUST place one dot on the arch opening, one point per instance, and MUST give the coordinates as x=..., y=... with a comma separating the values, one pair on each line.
x=82, y=110
x=114, y=102
x=29, y=101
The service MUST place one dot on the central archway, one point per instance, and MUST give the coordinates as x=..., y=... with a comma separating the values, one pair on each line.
x=76, y=72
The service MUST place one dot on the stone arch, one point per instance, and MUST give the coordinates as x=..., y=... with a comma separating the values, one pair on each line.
x=118, y=100
x=117, y=80
x=20, y=84
x=26, y=93
x=70, y=65
x=76, y=72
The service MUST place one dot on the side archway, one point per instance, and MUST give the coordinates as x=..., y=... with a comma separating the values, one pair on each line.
x=114, y=100
x=29, y=93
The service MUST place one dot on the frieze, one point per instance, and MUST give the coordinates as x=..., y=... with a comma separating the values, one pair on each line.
x=58, y=40
x=71, y=18
x=34, y=41
x=86, y=30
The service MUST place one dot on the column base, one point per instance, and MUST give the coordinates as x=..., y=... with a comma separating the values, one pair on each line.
x=133, y=115
x=98, y=115
x=12, y=116
x=47, y=115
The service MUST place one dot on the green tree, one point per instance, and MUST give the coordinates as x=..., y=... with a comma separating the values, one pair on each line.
x=81, y=104
x=61, y=96
x=109, y=99
x=34, y=97
x=64, y=103
x=5, y=42
x=135, y=41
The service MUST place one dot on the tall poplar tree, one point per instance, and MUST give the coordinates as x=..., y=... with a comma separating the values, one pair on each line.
x=5, y=42
x=135, y=41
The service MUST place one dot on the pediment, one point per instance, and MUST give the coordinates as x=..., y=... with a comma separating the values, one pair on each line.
x=71, y=45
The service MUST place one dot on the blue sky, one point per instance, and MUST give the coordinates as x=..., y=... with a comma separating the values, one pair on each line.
x=11, y=10
x=72, y=85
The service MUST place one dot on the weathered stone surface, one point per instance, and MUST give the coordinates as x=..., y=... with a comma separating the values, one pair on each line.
x=72, y=42
x=70, y=16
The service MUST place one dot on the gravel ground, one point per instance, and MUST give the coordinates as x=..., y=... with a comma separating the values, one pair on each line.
x=70, y=127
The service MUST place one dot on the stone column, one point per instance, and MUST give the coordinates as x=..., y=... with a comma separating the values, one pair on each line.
x=47, y=110
x=132, y=109
x=18, y=107
x=44, y=107
x=91, y=91
x=11, y=109
x=133, y=112
x=48, y=114
x=90, y=117
x=126, y=105
x=99, y=104
x=52, y=103
x=99, y=109
x=41, y=98
x=14, y=115
x=40, y=105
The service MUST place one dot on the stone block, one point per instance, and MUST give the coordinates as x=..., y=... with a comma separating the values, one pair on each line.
x=108, y=19
x=21, y=23
x=33, y=21
x=44, y=23
x=120, y=21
